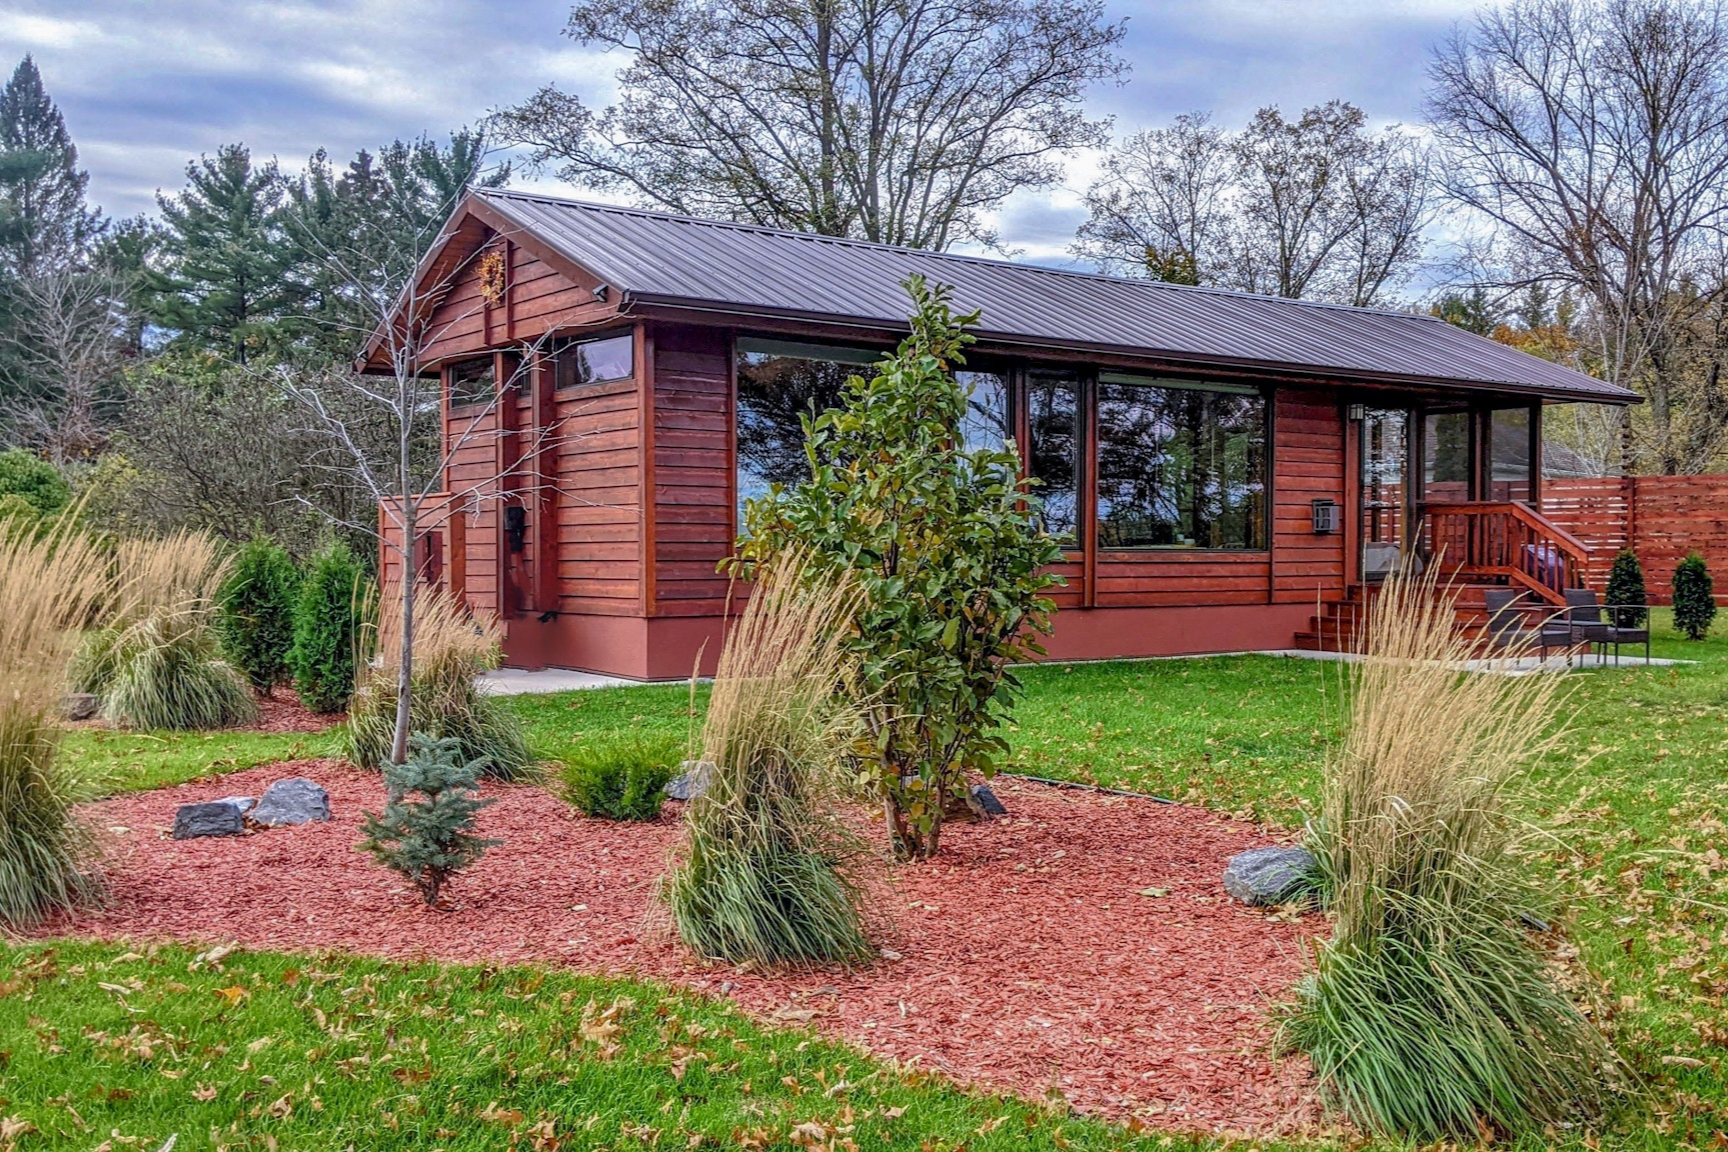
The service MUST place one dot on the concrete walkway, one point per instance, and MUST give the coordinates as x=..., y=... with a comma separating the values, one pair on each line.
x=521, y=682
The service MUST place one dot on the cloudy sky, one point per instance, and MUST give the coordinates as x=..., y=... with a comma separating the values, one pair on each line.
x=148, y=84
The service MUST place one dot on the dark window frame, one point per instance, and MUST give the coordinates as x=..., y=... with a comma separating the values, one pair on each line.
x=477, y=400
x=559, y=345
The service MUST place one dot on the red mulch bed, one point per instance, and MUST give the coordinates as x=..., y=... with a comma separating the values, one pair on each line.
x=1028, y=959
x=283, y=712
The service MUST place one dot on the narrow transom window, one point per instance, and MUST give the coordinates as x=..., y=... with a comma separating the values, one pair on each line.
x=593, y=361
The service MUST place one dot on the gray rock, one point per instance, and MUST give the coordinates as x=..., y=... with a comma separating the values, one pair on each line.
x=692, y=781
x=224, y=817
x=295, y=800
x=986, y=802
x=80, y=705
x=1269, y=875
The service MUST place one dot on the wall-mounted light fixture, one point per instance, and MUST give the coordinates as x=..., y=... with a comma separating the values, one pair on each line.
x=1357, y=412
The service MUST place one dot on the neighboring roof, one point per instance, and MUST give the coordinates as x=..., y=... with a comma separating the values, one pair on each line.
x=742, y=270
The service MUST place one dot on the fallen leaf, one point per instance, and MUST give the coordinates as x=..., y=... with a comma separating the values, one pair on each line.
x=233, y=994
x=204, y=1093
x=1154, y=891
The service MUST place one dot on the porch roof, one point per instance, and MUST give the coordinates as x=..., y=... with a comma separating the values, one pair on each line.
x=738, y=271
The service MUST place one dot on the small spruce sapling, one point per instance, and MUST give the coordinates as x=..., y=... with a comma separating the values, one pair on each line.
x=257, y=622
x=1694, y=597
x=427, y=830
x=1626, y=590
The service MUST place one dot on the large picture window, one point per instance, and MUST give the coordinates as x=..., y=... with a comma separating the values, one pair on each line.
x=779, y=382
x=1053, y=450
x=1180, y=465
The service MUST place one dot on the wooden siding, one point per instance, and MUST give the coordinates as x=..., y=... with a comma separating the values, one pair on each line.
x=692, y=457
x=598, y=502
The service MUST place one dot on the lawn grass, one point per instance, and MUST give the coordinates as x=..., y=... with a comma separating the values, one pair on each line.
x=1637, y=795
x=126, y=1049
x=106, y=762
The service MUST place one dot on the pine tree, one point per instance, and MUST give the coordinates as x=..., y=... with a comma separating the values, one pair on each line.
x=41, y=186
x=1694, y=597
x=1626, y=590
x=427, y=830
x=228, y=282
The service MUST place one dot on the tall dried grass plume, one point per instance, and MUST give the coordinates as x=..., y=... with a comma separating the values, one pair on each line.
x=155, y=662
x=454, y=646
x=1433, y=1012
x=50, y=584
x=766, y=870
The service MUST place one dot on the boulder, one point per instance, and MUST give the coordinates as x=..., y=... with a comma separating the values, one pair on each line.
x=1270, y=875
x=986, y=803
x=692, y=780
x=80, y=705
x=295, y=800
x=224, y=817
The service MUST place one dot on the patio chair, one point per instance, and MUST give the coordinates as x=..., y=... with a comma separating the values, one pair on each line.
x=1507, y=620
x=1587, y=623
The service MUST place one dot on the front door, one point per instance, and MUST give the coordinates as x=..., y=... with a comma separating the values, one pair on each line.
x=1385, y=490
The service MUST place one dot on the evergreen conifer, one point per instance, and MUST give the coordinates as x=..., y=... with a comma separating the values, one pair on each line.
x=1694, y=597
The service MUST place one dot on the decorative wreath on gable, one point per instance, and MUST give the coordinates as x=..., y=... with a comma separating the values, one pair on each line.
x=492, y=275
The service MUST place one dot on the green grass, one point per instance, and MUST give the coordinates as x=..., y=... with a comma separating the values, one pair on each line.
x=1637, y=796
x=263, y=1051
x=109, y=762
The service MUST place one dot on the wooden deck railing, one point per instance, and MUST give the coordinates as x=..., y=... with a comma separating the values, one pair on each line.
x=1504, y=540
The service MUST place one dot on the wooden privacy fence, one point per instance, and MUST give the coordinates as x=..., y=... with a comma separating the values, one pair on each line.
x=1661, y=518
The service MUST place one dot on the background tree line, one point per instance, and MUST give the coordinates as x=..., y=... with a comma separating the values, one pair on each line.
x=1576, y=152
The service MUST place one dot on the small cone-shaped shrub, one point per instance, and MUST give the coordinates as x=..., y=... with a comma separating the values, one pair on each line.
x=426, y=832
x=257, y=621
x=49, y=584
x=764, y=871
x=453, y=646
x=156, y=663
x=1626, y=590
x=1694, y=597
x=327, y=621
x=1433, y=1013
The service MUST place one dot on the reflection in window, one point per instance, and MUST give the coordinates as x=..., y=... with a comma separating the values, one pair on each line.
x=1446, y=457
x=472, y=382
x=591, y=361
x=1053, y=450
x=985, y=424
x=779, y=382
x=1509, y=454
x=1180, y=467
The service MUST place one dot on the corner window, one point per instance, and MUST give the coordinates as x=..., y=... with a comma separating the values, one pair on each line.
x=1053, y=448
x=1180, y=465
x=985, y=424
x=593, y=361
x=779, y=382
x=473, y=381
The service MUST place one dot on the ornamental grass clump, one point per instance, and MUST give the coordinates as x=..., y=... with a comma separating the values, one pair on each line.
x=49, y=585
x=1433, y=1012
x=765, y=872
x=426, y=832
x=156, y=663
x=452, y=647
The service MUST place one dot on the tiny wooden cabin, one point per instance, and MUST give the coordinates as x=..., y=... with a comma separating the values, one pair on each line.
x=1227, y=471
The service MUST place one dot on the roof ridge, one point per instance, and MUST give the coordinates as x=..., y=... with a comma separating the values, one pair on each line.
x=959, y=257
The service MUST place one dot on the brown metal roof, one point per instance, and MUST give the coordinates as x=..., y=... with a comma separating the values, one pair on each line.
x=744, y=271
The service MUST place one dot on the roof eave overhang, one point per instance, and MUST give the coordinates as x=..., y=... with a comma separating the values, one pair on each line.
x=1270, y=368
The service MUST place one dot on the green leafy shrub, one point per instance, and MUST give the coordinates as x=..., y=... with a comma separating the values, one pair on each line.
x=1626, y=588
x=946, y=550
x=257, y=612
x=1433, y=1014
x=48, y=586
x=327, y=621
x=426, y=832
x=1694, y=597
x=453, y=646
x=38, y=485
x=764, y=872
x=621, y=781
x=155, y=663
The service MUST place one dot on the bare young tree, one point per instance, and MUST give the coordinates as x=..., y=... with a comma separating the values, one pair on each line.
x=66, y=331
x=902, y=123
x=1315, y=208
x=1590, y=138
